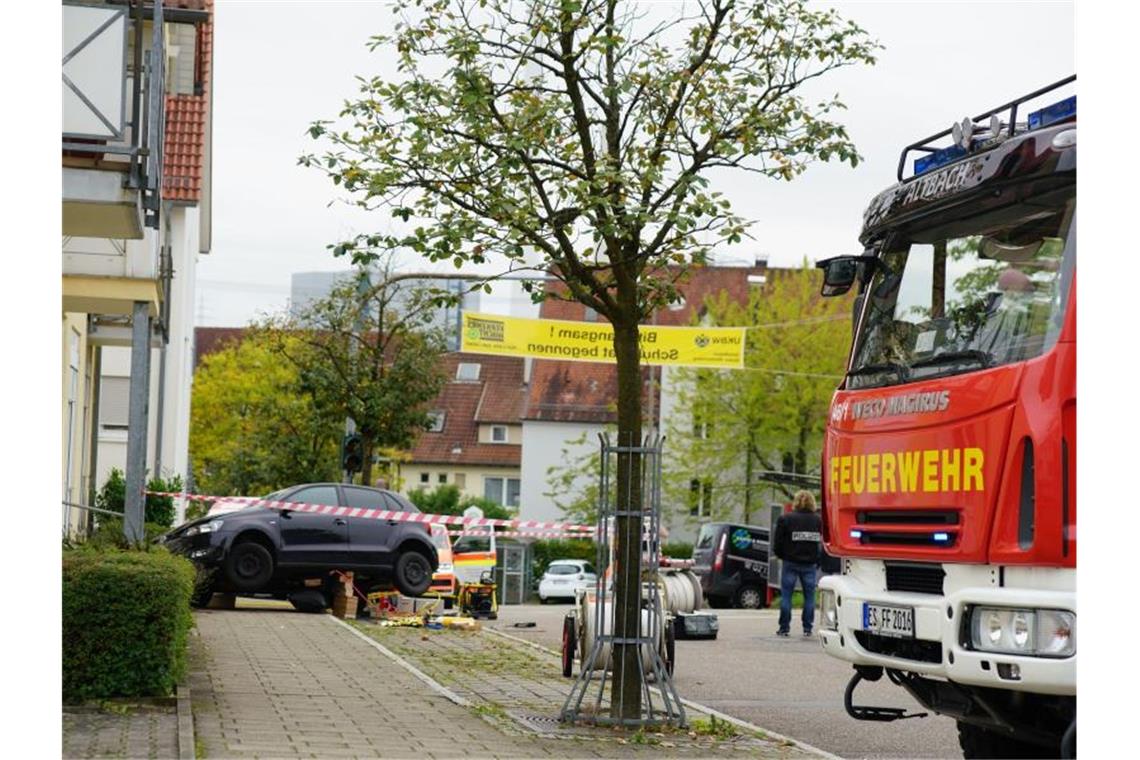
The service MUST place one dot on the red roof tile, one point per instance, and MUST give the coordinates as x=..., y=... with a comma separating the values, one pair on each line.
x=497, y=396
x=186, y=119
x=562, y=391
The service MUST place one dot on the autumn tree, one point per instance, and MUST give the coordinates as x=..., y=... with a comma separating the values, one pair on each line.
x=368, y=352
x=737, y=429
x=255, y=426
x=576, y=137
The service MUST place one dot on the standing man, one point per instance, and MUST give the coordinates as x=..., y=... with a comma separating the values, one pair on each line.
x=797, y=544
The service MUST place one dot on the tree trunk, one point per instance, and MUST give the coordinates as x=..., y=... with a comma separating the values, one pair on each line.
x=626, y=698
x=366, y=447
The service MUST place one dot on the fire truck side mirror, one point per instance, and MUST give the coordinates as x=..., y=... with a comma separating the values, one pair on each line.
x=839, y=274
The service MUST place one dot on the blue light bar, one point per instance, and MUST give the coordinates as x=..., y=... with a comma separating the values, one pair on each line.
x=941, y=536
x=938, y=158
x=856, y=533
x=1065, y=109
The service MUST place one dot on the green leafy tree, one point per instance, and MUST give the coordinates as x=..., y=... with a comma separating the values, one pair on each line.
x=255, y=426
x=576, y=137
x=446, y=500
x=366, y=352
x=738, y=429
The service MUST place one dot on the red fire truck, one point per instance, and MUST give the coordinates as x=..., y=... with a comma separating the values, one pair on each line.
x=949, y=463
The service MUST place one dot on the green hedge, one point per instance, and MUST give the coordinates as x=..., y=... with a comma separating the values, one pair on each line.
x=677, y=549
x=126, y=617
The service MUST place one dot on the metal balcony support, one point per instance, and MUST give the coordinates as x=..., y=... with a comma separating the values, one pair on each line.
x=137, y=424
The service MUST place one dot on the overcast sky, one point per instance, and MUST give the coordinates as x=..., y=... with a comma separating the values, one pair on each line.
x=281, y=65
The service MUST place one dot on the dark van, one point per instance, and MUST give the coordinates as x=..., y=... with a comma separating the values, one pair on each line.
x=732, y=563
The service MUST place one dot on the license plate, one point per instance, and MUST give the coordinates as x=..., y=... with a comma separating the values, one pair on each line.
x=888, y=621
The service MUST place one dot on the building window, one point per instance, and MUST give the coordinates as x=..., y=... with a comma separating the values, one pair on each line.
x=498, y=434
x=700, y=498
x=461, y=480
x=425, y=478
x=435, y=421
x=114, y=398
x=591, y=315
x=442, y=477
x=467, y=372
x=503, y=491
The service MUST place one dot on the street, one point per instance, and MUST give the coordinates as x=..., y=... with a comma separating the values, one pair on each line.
x=787, y=685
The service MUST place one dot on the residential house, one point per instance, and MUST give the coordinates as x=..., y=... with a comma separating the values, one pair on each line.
x=475, y=442
x=569, y=404
x=136, y=215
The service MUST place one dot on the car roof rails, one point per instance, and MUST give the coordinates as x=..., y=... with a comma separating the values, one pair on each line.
x=1010, y=126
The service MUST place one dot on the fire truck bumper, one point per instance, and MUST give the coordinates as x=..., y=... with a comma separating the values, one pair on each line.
x=932, y=633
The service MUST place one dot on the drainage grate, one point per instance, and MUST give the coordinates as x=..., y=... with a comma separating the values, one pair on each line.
x=542, y=724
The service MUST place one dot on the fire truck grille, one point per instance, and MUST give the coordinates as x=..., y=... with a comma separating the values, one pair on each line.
x=907, y=516
x=915, y=578
x=907, y=649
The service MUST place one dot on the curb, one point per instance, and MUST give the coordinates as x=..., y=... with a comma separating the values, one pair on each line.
x=185, y=724
x=694, y=705
x=433, y=684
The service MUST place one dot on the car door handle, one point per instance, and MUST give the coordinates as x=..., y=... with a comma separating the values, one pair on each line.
x=393, y=522
x=340, y=521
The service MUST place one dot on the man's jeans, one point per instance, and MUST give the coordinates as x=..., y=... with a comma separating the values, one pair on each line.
x=807, y=576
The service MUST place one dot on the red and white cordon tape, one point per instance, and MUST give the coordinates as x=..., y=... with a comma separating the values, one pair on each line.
x=388, y=514
x=522, y=534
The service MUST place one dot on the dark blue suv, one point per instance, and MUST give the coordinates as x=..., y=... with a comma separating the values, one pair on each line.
x=281, y=552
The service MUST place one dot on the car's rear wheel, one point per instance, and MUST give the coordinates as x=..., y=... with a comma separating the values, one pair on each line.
x=248, y=566
x=749, y=598
x=413, y=573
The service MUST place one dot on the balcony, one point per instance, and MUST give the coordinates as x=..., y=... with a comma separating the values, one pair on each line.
x=114, y=71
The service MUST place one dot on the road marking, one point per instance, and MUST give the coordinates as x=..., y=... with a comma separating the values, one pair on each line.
x=435, y=685
x=752, y=727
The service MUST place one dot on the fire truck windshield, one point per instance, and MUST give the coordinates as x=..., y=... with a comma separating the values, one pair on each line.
x=966, y=295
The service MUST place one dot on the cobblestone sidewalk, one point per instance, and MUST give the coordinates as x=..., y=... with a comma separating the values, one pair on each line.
x=269, y=683
x=523, y=690
x=142, y=731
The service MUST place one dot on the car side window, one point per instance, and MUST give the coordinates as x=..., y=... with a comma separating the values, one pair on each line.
x=325, y=495
x=363, y=498
x=586, y=566
x=400, y=505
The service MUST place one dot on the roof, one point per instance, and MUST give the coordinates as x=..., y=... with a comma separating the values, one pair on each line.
x=565, y=391
x=209, y=340
x=497, y=396
x=186, y=120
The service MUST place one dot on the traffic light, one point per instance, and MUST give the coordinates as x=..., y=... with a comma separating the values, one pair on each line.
x=352, y=453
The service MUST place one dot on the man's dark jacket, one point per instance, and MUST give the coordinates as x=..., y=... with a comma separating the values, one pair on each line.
x=797, y=537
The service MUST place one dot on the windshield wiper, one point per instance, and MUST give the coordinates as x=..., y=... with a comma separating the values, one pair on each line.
x=951, y=357
x=870, y=369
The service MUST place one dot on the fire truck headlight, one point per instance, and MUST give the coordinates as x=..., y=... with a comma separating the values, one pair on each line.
x=1056, y=633
x=1042, y=633
x=829, y=613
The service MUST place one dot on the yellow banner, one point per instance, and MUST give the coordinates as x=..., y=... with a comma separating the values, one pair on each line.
x=721, y=347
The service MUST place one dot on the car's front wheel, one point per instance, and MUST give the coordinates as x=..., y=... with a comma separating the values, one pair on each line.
x=749, y=598
x=248, y=566
x=413, y=573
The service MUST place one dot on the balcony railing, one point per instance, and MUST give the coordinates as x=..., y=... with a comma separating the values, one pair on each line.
x=104, y=118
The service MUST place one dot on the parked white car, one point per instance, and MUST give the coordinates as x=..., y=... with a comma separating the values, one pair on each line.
x=563, y=577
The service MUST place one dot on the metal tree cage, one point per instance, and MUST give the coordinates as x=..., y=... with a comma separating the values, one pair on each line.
x=660, y=703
